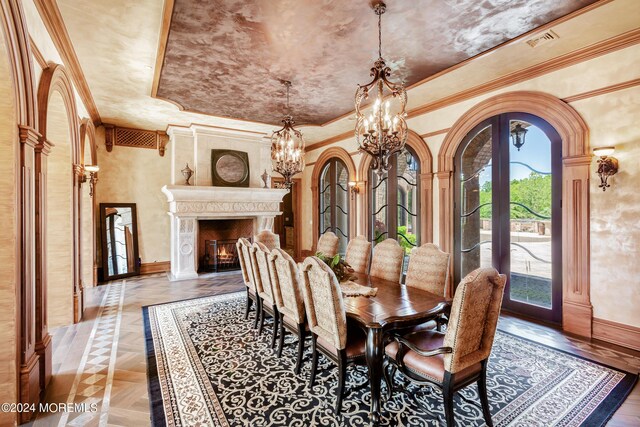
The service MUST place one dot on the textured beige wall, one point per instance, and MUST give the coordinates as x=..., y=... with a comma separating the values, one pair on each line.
x=136, y=175
x=612, y=119
x=615, y=217
x=8, y=236
x=59, y=238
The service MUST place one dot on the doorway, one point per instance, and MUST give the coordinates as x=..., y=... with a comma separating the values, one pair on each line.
x=508, y=174
x=287, y=225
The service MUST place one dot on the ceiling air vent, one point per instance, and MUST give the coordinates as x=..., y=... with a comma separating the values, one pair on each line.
x=545, y=37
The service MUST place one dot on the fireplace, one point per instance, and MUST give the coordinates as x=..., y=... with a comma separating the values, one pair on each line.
x=189, y=206
x=217, y=243
x=220, y=255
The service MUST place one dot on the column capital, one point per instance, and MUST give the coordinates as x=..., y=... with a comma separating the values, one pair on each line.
x=29, y=136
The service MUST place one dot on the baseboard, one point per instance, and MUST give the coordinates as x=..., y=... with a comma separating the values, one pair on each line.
x=155, y=267
x=616, y=333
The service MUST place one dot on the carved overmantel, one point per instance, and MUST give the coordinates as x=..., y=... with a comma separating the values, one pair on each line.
x=188, y=204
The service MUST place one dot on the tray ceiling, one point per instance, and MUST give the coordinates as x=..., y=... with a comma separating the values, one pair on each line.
x=225, y=58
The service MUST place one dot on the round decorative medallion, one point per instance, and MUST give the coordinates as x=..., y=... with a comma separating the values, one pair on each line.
x=186, y=249
x=231, y=168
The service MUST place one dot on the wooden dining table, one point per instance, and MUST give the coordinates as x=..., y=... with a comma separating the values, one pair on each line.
x=394, y=307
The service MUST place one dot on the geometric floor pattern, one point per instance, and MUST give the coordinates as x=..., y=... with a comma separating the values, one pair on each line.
x=93, y=381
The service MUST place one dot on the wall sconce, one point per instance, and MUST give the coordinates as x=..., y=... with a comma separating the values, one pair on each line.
x=93, y=178
x=607, y=165
x=354, y=189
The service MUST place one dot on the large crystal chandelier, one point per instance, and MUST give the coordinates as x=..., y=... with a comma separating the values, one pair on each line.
x=384, y=131
x=287, y=147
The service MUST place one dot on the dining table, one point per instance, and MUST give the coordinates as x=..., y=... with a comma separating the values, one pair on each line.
x=394, y=307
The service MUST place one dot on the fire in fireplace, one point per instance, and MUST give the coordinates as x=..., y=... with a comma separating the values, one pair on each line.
x=220, y=255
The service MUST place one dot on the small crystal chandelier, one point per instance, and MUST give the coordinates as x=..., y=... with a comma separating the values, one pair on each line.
x=287, y=147
x=384, y=131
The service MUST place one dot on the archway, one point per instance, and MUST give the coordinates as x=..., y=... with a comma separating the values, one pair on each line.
x=9, y=249
x=576, y=307
x=346, y=159
x=425, y=158
x=59, y=216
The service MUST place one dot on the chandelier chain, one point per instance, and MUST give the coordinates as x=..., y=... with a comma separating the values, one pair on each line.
x=379, y=35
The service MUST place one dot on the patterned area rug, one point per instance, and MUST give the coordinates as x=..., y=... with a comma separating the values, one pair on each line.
x=208, y=367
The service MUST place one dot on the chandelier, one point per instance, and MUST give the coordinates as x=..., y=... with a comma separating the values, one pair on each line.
x=384, y=131
x=287, y=147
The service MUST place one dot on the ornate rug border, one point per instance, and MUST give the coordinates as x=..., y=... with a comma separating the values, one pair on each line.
x=599, y=417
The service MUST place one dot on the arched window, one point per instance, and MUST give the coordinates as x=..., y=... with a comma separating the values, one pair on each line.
x=508, y=189
x=394, y=202
x=334, y=201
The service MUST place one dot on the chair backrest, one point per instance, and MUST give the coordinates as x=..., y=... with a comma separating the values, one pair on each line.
x=261, y=268
x=359, y=254
x=429, y=269
x=474, y=318
x=287, y=285
x=328, y=244
x=387, y=261
x=268, y=238
x=244, y=247
x=323, y=303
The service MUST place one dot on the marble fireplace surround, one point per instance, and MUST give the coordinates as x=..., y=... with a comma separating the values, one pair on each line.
x=188, y=204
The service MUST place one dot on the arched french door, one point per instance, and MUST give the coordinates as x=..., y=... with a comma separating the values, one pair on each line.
x=333, y=189
x=394, y=202
x=508, y=189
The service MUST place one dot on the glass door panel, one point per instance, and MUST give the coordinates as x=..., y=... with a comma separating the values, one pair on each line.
x=530, y=237
x=379, y=208
x=342, y=207
x=407, y=203
x=476, y=202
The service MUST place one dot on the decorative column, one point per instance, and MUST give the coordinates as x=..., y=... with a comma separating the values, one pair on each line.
x=78, y=288
x=426, y=207
x=33, y=343
x=577, y=310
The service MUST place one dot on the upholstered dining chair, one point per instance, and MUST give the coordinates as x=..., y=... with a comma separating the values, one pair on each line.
x=328, y=244
x=287, y=290
x=429, y=270
x=260, y=265
x=359, y=254
x=243, y=247
x=387, y=260
x=457, y=358
x=327, y=319
x=268, y=238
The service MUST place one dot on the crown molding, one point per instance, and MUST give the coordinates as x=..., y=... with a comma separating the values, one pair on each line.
x=52, y=18
x=602, y=91
x=167, y=12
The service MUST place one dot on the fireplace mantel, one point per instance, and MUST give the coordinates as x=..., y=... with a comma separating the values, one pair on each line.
x=188, y=204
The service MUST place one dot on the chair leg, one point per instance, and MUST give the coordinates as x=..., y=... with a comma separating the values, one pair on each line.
x=301, y=338
x=484, y=398
x=261, y=326
x=342, y=373
x=314, y=361
x=248, y=307
x=447, y=394
x=388, y=378
x=281, y=340
x=258, y=310
x=275, y=316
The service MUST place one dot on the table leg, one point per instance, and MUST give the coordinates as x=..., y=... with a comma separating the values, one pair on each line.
x=374, y=355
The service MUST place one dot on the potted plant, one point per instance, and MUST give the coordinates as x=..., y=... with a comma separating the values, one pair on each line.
x=341, y=269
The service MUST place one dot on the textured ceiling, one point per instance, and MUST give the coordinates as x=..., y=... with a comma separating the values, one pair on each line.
x=226, y=57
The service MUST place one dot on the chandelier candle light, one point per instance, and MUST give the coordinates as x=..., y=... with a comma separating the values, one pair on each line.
x=384, y=131
x=287, y=147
